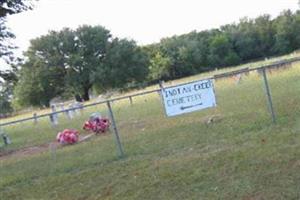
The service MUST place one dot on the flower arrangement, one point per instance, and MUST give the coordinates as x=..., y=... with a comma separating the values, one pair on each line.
x=68, y=136
x=97, y=125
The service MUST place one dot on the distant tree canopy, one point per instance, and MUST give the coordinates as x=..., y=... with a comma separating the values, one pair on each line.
x=231, y=44
x=72, y=62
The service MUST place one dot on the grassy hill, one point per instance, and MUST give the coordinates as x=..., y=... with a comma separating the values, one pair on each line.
x=232, y=151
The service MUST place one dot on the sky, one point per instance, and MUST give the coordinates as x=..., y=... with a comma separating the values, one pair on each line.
x=145, y=21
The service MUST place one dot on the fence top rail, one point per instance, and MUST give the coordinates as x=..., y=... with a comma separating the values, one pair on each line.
x=83, y=106
x=231, y=73
x=216, y=76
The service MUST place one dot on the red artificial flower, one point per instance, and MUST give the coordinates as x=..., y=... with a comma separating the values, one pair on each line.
x=97, y=125
x=68, y=136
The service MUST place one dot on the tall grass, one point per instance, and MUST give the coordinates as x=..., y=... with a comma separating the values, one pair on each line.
x=239, y=155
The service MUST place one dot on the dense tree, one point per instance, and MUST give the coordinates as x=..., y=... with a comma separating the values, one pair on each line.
x=231, y=44
x=221, y=52
x=32, y=88
x=5, y=105
x=7, y=81
x=62, y=62
x=9, y=7
x=42, y=75
x=245, y=40
x=38, y=83
x=125, y=63
x=296, y=28
x=159, y=67
x=265, y=31
x=284, y=33
x=177, y=50
x=73, y=61
x=197, y=50
x=86, y=53
x=8, y=78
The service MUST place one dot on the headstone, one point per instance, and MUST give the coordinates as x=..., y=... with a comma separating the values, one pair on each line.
x=71, y=111
x=6, y=139
x=95, y=115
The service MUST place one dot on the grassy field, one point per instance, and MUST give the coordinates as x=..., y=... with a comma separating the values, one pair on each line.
x=239, y=155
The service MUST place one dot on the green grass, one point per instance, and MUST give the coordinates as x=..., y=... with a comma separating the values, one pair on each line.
x=241, y=155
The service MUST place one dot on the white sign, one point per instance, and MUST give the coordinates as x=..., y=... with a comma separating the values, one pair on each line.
x=188, y=97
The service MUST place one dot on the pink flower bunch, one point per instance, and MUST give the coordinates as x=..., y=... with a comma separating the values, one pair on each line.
x=68, y=136
x=97, y=125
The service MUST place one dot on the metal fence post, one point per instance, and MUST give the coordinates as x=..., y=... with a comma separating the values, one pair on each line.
x=54, y=115
x=130, y=99
x=35, y=120
x=116, y=133
x=53, y=120
x=161, y=87
x=268, y=94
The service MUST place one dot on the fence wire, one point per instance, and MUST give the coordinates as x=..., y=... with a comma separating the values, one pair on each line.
x=139, y=117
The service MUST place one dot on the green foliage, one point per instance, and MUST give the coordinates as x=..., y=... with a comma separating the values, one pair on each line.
x=9, y=7
x=41, y=78
x=265, y=32
x=87, y=54
x=221, y=52
x=287, y=32
x=179, y=52
x=37, y=86
x=61, y=62
x=73, y=61
x=8, y=78
x=5, y=104
x=159, y=67
x=125, y=63
x=231, y=44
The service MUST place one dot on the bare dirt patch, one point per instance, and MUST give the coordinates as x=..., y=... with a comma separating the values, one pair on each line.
x=24, y=151
x=33, y=150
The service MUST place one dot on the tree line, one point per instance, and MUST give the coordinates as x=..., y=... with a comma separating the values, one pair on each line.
x=71, y=63
x=8, y=78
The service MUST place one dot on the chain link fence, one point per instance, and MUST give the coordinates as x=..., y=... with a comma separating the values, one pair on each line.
x=256, y=97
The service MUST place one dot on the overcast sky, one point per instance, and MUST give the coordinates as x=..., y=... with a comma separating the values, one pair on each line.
x=145, y=21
